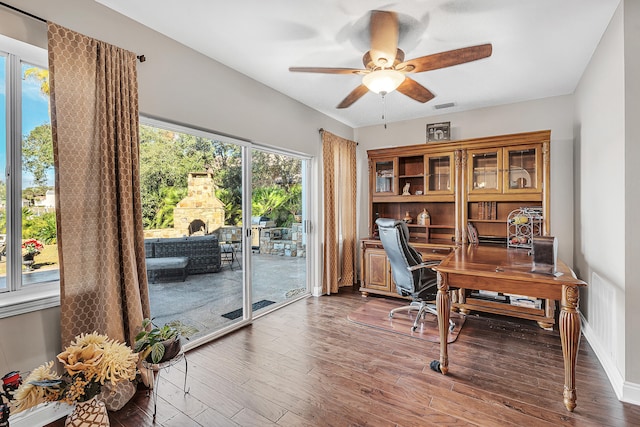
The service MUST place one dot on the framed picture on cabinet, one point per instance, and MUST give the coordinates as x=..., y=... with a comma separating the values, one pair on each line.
x=438, y=132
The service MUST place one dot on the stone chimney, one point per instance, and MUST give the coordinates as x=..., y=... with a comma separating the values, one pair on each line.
x=201, y=212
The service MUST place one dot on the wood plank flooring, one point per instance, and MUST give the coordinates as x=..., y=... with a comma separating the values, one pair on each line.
x=308, y=365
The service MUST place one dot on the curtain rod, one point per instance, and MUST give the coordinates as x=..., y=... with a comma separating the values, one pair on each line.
x=322, y=130
x=141, y=58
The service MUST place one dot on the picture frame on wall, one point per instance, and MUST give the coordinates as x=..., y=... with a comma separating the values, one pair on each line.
x=438, y=132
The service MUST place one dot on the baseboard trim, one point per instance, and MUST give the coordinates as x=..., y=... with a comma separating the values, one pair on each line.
x=631, y=393
x=625, y=391
x=41, y=415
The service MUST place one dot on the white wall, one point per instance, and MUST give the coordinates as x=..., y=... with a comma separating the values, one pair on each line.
x=177, y=84
x=600, y=203
x=632, y=192
x=554, y=113
x=607, y=198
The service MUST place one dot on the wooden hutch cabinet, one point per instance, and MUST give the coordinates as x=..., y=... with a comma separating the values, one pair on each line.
x=479, y=181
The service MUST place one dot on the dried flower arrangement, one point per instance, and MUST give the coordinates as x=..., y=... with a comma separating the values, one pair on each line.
x=90, y=361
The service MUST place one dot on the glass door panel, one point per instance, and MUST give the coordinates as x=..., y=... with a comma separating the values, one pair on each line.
x=278, y=238
x=385, y=172
x=192, y=208
x=485, y=171
x=523, y=164
x=439, y=172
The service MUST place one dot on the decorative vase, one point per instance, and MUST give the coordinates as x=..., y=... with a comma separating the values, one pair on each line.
x=424, y=218
x=27, y=260
x=92, y=413
x=407, y=218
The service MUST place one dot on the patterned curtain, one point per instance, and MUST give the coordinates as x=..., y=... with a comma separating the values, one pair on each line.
x=94, y=118
x=339, y=164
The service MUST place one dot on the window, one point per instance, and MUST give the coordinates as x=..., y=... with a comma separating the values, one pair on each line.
x=28, y=252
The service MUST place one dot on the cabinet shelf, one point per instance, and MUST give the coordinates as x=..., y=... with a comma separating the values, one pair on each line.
x=411, y=176
x=413, y=198
x=496, y=221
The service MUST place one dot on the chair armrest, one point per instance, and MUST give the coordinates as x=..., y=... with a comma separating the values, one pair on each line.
x=427, y=264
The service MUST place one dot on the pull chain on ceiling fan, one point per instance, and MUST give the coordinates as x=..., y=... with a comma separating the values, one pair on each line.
x=385, y=68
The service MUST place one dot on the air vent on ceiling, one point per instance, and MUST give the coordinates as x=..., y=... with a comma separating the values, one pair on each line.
x=442, y=106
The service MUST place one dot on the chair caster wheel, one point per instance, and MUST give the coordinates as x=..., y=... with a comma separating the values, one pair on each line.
x=435, y=366
x=413, y=328
x=390, y=315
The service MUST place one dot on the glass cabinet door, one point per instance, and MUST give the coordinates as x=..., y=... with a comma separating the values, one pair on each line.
x=485, y=171
x=523, y=169
x=384, y=172
x=439, y=173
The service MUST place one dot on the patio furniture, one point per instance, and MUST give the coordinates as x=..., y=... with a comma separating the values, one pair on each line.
x=203, y=252
x=228, y=255
x=155, y=265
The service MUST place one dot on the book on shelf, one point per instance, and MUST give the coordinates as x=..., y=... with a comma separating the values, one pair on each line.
x=487, y=210
x=472, y=233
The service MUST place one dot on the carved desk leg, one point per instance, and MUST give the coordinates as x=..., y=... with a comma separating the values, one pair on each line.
x=570, y=338
x=443, y=305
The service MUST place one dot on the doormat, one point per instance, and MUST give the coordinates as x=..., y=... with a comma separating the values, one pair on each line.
x=232, y=315
x=375, y=314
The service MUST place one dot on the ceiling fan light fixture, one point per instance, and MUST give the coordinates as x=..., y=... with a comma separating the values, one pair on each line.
x=383, y=81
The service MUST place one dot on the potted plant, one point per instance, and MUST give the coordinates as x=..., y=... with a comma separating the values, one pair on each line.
x=157, y=344
x=30, y=248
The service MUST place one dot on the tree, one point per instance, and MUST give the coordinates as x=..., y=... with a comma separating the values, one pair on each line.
x=268, y=201
x=269, y=169
x=232, y=210
x=170, y=198
x=42, y=75
x=37, y=153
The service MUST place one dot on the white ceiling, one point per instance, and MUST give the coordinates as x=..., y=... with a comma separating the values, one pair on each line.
x=540, y=47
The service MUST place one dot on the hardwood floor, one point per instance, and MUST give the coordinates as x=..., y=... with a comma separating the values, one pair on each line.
x=308, y=365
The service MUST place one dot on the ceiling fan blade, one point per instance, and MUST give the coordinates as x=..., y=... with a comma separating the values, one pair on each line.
x=415, y=90
x=355, y=94
x=327, y=70
x=384, y=37
x=446, y=59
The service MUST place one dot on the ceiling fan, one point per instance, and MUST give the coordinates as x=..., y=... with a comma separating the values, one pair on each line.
x=385, y=68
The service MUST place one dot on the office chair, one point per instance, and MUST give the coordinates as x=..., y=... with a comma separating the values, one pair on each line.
x=412, y=276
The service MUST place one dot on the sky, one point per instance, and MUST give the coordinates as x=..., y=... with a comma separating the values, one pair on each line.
x=35, y=112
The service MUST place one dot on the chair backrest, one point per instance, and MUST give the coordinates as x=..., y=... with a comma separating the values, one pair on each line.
x=394, y=235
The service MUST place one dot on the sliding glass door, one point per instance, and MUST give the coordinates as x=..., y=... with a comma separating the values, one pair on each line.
x=215, y=209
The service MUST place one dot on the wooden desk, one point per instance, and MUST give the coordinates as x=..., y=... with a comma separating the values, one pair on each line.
x=508, y=270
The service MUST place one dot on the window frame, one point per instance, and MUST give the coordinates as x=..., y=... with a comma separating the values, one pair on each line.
x=16, y=299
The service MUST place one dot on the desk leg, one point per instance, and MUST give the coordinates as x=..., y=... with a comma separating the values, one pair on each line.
x=570, y=338
x=443, y=305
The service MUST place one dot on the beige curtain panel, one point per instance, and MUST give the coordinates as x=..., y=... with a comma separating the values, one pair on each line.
x=339, y=168
x=94, y=118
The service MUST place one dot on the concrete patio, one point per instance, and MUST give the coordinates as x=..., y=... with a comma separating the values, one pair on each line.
x=202, y=299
